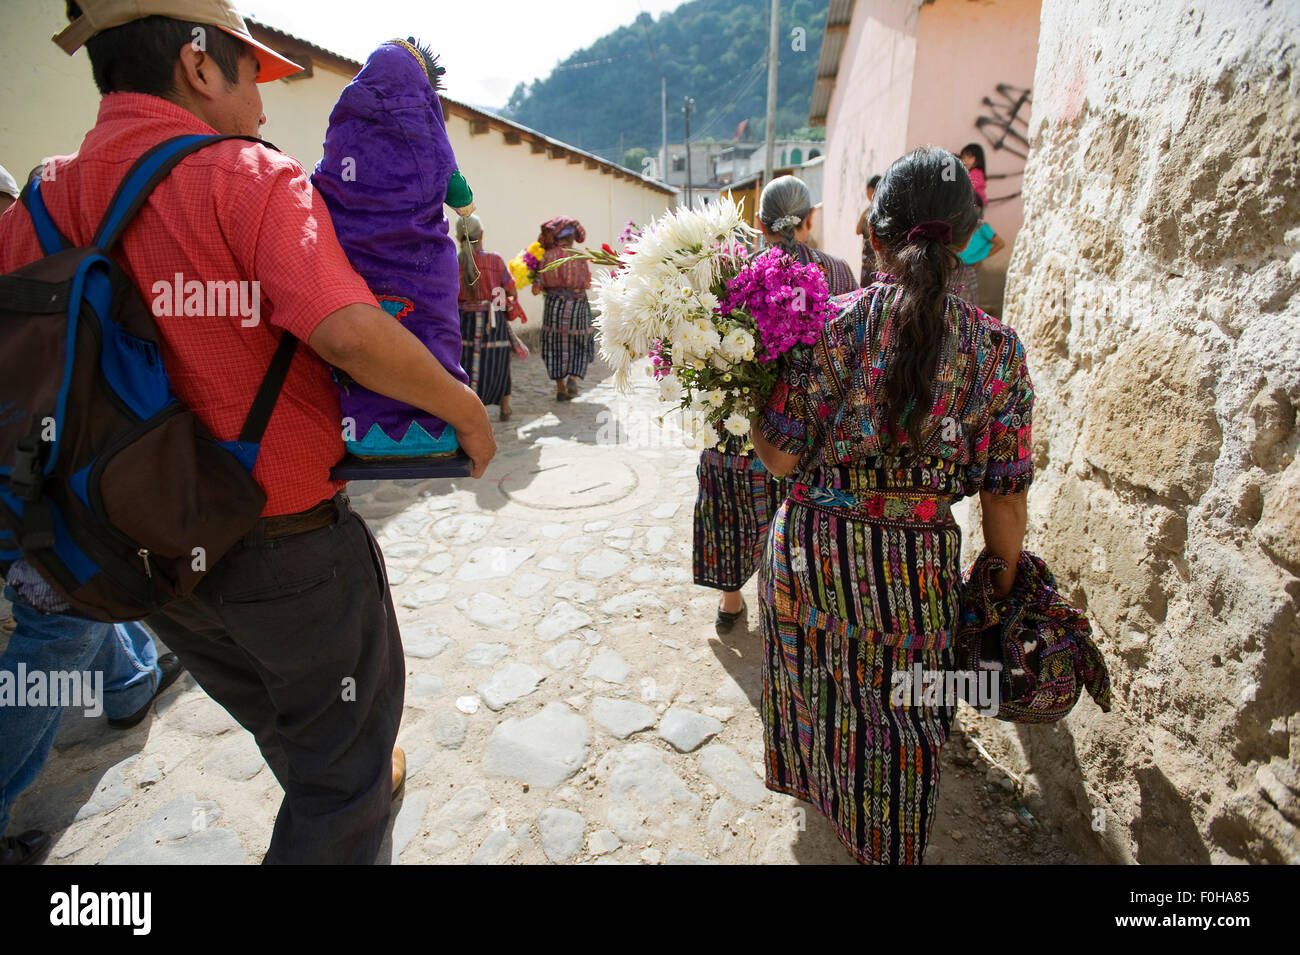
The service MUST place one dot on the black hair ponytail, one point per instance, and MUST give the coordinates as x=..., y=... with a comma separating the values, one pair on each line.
x=924, y=207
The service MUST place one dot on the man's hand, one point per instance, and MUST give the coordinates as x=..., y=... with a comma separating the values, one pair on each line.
x=378, y=353
x=480, y=444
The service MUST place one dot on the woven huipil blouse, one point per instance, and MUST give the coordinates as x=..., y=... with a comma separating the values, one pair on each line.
x=869, y=548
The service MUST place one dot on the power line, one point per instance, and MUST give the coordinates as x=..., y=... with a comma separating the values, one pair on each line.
x=755, y=72
x=582, y=66
x=654, y=54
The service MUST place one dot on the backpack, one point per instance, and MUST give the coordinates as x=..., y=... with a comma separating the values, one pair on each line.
x=109, y=486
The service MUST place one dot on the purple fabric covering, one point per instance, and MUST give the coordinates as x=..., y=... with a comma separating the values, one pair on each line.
x=384, y=177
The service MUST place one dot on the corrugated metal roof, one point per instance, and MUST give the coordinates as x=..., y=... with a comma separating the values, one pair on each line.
x=839, y=13
x=272, y=34
x=838, y=17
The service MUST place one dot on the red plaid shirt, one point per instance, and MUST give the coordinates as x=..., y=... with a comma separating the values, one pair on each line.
x=233, y=211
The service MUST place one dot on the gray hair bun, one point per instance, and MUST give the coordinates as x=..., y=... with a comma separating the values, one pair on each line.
x=784, y=204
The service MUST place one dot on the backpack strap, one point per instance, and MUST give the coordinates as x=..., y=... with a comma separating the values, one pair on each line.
x=47, y=233
x=259, y=415
x=140, y=180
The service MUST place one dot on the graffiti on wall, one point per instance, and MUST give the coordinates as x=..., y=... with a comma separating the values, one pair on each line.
x=1005, y=127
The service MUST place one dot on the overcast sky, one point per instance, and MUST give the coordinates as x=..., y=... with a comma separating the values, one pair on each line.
x=488, y=46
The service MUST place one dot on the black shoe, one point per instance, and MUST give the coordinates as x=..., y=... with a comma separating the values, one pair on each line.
x=726, y=621
x=28, y=849
x=171, y=667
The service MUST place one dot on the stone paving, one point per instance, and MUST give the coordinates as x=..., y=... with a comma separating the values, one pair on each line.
x=567, y=697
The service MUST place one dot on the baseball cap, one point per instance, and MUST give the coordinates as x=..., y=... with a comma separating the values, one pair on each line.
x=100, y=15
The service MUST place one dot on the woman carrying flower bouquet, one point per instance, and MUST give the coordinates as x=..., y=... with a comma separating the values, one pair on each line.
x=488, y=301
x=567, y=342
x=911, y=399
x=737, y=496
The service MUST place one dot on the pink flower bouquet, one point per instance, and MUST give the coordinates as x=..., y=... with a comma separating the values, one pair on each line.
x=713, y=322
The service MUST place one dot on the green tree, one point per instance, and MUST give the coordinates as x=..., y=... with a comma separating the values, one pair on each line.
x=633, y=158
x=712, y=50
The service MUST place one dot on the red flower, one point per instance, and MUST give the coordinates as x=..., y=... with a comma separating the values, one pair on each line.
x=875, y=506
x=605, y=246
x=925, y=510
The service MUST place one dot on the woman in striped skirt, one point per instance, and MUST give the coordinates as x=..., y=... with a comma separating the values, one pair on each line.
x=568, y=343
x=911, y=399
x=488, y=301
x=737, y=496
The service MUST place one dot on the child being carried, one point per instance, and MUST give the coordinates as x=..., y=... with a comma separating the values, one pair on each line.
x=387, y=170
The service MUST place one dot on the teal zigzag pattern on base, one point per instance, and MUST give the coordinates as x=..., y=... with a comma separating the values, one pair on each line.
x=416, y=443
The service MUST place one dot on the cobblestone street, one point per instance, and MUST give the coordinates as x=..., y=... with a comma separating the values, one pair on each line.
x=567, y=698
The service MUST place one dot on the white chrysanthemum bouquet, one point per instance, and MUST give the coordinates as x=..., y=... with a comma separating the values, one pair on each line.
x=712, y=321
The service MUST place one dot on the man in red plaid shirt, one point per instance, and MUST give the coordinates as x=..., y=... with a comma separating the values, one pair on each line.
x=293, y=631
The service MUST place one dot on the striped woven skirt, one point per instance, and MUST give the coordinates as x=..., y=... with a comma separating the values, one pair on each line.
x=485, y=351
x=568, y=344
x=846, y=605
x=733, y=510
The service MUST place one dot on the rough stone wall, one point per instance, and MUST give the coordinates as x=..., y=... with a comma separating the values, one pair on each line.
x=1155, y=284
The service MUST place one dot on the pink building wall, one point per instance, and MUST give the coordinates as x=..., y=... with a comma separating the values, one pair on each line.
x=912, y=75
x=964, y=50
x=866, y=125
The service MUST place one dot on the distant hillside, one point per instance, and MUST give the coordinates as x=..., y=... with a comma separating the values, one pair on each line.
x=713, y=50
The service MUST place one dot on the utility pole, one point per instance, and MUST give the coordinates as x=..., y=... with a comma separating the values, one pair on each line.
x=663, y=115
x=688, y=104
x=770, y=130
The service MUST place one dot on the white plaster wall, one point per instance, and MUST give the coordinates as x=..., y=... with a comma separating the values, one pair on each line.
x=47, y=98
x=516, y=190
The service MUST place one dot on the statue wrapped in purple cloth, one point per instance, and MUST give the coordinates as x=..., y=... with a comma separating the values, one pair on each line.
x=387, y=171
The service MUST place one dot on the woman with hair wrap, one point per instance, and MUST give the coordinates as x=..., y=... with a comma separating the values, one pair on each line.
x=567, y=342
x=737, y=496
x=488, y=300
x=911, y=399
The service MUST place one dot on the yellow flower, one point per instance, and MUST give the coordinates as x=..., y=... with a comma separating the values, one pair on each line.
x=538, y=252
x=519, y=271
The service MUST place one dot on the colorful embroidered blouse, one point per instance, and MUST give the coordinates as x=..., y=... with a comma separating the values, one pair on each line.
x=492, y=275
x=830, y=406
x=571, y=275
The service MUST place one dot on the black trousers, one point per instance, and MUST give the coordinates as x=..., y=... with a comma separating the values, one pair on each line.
x=297, y=638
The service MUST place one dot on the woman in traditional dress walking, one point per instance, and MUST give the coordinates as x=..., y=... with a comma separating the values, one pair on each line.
x=737, y=496
x=911, y=399
x=568, y=345
x=488, y=301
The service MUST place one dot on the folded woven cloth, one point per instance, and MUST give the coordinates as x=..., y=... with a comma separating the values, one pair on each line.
x=1043, y=644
